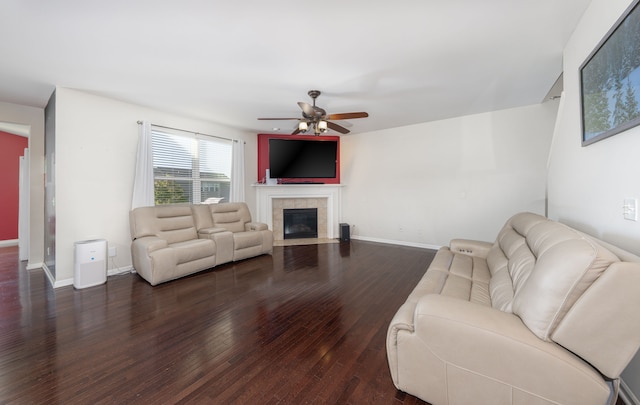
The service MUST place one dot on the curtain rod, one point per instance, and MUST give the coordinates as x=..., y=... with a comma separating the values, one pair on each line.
x=191, y=132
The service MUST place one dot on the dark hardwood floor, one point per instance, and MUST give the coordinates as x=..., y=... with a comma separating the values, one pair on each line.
x=305, y=325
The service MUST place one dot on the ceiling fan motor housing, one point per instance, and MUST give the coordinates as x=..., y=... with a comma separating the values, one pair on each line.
x=314, y=94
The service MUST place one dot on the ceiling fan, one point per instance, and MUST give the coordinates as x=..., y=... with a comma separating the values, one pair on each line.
x=317, y=119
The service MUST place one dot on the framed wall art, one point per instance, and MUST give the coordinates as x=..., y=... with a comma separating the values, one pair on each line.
x=610, y=81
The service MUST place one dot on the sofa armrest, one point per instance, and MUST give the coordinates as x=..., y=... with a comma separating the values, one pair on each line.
x=142, y=250
x=487, y=345
x=607, y=338
x=208, y=233
x=470, y=247
x=149, y=244
x=255, y=226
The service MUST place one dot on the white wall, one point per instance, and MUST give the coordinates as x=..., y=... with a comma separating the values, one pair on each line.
x=587, y=185
x=34, y=119
x=96, y=142
x=425, y=184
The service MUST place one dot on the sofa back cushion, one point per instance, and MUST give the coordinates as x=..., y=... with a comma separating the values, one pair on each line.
x=231, y=216
x=510, y=259
x=539, y=269
x=202, y=216
x=174, y=223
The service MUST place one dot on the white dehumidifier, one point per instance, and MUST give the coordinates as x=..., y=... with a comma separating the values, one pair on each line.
x=90, y=263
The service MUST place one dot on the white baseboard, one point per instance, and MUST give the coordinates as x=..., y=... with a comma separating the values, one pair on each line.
x=119, y=270
x=110, y=272
x=8, y=242
x=50, y=277
x=63, y=283
x=69, y=281
x=33, y=266
x=396, y=242
x=626, y=395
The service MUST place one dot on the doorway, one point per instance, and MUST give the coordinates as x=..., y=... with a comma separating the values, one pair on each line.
x=14, y=203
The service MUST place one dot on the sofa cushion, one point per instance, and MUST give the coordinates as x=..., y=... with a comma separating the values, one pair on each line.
x=510, y=259
x=242, y=240
x=193, y=250
x=455, y=275
x=174, y=223
x=230, y=216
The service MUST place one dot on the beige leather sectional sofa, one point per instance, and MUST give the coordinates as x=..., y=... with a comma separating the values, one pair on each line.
x=545, y=315
x=172, y=241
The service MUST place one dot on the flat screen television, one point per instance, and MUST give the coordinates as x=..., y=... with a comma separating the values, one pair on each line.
x=302, y=159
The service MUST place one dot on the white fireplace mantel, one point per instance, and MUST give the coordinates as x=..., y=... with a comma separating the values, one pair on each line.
x=265, y=194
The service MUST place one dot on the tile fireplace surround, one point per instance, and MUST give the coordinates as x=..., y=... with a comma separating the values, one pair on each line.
x=272, y=199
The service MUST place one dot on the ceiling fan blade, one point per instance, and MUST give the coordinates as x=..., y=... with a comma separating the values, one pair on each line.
x=307, y=108
x=347, y=116
x=337, y=128
x=278, y=119
x=296, y=131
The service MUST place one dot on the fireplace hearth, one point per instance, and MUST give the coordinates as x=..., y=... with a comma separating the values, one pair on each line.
x=300, y=223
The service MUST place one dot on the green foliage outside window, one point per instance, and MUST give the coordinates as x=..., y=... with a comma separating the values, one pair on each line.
x=169, y=192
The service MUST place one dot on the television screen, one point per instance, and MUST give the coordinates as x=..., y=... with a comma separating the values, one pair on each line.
x=298, y=158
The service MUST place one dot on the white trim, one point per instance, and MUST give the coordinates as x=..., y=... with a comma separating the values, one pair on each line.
x=33, y=266
x=52, y=281
x=47, y=273
x=626, y=395
x=23, y=204
x=332, y=192
x=110, y=272
x=63, y=283
x=397, y=242
x=119, y=270
x=16, y=129
x=69, y=281
x=8, y=242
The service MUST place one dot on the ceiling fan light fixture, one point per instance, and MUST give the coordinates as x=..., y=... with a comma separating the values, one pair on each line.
x=322, y=126
x=302, y=126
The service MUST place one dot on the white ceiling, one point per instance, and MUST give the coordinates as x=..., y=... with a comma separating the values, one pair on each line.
x=404, y=61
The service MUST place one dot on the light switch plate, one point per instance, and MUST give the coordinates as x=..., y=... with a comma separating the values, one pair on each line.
x=630, y=209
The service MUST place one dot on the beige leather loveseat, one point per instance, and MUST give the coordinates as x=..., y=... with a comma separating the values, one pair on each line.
x=545, y=315
x=172, y=241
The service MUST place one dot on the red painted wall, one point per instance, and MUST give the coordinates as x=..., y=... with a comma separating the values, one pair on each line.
x=263, y=154
x=11, y=148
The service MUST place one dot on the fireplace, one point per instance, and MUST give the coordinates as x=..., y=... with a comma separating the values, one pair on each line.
x=272, y=199
x=300, y=223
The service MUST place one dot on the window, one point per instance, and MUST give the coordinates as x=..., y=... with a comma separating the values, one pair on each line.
x=190, y=168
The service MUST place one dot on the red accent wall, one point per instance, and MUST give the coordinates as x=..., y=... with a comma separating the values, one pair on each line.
x=263, y=155
x=11, y=148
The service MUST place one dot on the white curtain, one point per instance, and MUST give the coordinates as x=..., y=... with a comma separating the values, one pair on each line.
x=237, y=171
x=143, y=182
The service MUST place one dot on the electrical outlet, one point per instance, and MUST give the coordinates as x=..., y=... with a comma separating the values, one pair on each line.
x=630, y=209
x=112, y=251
